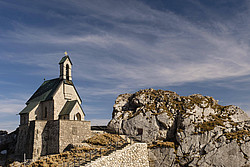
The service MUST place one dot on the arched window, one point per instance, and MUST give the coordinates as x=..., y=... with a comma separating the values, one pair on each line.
x=78, y=117
x=45, y=112
x=67, y=72
x=24, y=119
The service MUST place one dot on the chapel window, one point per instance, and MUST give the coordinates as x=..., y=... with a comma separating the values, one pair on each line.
x=45, y=112
x=78, y=117
x=67, y=72
x=24, y=119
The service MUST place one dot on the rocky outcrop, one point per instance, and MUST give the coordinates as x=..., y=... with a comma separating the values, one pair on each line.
x=7, y=146
x=162, y=156
x=204, y=133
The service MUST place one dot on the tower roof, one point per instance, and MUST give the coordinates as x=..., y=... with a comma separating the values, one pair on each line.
x=64, y=59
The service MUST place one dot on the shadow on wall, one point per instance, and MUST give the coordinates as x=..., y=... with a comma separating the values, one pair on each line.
x=49, y=139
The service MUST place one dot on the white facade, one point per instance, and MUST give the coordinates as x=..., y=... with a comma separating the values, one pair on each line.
x=65, y=93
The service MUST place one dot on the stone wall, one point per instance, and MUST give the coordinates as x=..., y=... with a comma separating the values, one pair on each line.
x=49, y=106
x=59, y=101
x=21, y=140
x=38, y=148
x=42, y=137
x=73, y=132
x=33, y=112
x=130, y=156
x=46, y=140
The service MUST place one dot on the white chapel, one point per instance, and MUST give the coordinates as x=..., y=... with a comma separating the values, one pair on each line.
x=55, y=99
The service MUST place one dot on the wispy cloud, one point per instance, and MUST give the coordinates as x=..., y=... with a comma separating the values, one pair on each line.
x=166, y=49
x=8, y=83
x=119, y=46
x=163, y=49
x=9, y=125
x=11, y=106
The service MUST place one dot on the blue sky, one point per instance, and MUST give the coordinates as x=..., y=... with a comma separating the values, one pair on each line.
x=120, y=47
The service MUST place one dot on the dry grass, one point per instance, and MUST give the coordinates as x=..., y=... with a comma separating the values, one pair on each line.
x=209, y=125
x=97, y=142
x=105, y=139
x=161, y=144
x=239, y=135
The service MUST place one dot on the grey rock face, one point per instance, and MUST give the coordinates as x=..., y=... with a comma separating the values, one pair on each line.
x=7, y=146
x=162, y=157
x=204, y=132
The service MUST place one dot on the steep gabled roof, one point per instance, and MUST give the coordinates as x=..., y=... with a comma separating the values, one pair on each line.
x=45, y=91
x=29, y=107
x=64, y=59
x=69, y=105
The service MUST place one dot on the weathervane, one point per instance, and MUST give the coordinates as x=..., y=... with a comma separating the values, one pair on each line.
x=66, y=53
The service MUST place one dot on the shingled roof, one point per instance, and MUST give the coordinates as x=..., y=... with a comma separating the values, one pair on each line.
x=29, y=107
x=67, y=108
x=45, y=91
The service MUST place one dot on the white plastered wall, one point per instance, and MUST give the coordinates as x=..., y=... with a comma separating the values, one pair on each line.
x=32, y=114
x=76, y=109
x=59, y=101
x=64, y=69
x=65, y=92
x=50, y=108
x=70, y=93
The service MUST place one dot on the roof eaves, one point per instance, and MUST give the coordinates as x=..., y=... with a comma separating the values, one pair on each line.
x=45, y=91
x=29, y=107
x=67, y=108
x=77, y=92
x=81, y=108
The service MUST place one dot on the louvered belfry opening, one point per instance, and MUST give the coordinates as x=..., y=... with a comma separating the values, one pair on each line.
x=67, y=72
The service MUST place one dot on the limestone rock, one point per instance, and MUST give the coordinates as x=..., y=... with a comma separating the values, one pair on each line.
x=204, y=132
x=162, y=157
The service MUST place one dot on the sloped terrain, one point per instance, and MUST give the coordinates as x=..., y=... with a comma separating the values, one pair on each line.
x=95, y=146
x=204, y=133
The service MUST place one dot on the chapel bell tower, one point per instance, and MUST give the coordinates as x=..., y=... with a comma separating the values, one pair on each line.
x=65, y=68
